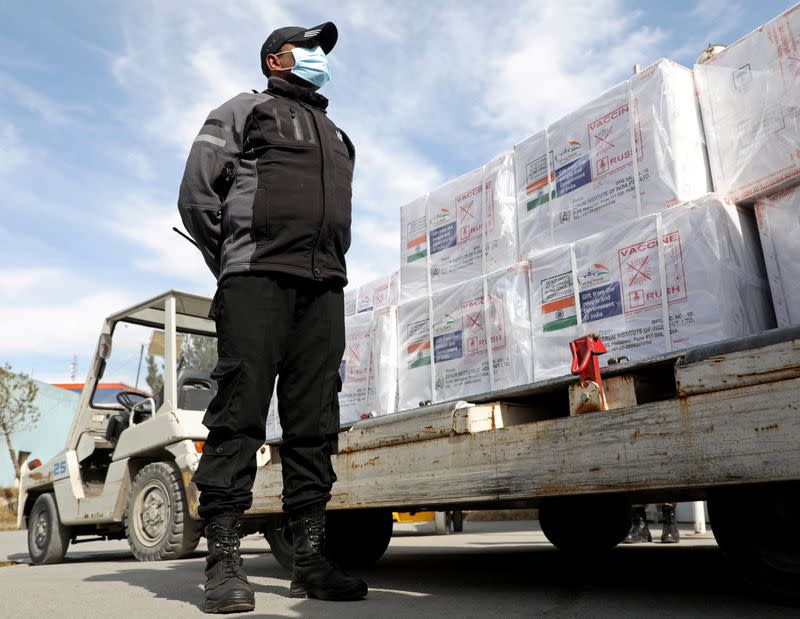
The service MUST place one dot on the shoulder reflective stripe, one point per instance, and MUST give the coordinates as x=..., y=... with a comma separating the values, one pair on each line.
x=213, y=122
x=205, y=137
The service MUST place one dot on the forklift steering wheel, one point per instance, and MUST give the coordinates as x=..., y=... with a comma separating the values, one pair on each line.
x=126, y=399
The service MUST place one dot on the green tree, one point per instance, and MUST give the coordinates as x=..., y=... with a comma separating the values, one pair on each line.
x=199, y=352
x=155, y=374
x=17, y=411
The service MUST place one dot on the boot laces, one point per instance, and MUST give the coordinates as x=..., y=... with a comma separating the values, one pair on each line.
x=226, y=549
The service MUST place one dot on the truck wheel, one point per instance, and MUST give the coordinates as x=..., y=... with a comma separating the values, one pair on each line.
x=441, y=522
x=758, y=530
x=48, y=539
x=157, y=520
x=355, y=538
x=563, y=521
x=458, y=520
x=279, y=537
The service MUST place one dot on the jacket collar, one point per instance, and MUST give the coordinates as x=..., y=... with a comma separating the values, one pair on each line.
x=281, y=87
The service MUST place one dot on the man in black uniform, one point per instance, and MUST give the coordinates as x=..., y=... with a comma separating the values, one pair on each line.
x=266, y=196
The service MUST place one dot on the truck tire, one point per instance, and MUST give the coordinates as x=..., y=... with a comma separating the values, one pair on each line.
x=355, y=538
x=758, y=530
x=563, y=521
x=457, y=517
x=157, y=521
x=48, y=539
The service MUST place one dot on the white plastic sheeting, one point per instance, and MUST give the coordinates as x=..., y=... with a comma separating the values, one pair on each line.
x=369, y=366
x=695, y=266
x=499, y=214
x=749, y=96
x=350, y=301
x=414, y=353
x=633, y=151
x=413, y=250
x=378, y=293
x=779, y=225
x=480, y=324
x=455, y=224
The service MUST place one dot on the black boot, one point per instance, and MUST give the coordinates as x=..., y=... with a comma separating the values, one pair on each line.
x=313, y=574
x=227, y=589
x=670, y=533
x=639, y=531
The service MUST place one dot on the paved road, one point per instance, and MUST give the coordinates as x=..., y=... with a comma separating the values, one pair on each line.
x=491, y=570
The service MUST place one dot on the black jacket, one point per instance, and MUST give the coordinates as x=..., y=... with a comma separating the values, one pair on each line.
x=268, y=185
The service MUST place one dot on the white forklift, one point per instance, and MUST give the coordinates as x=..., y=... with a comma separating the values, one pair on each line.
x=125, y=470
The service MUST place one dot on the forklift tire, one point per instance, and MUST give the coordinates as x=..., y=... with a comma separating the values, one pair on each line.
x=48, y=539
x=354, y=538
x=157, y=521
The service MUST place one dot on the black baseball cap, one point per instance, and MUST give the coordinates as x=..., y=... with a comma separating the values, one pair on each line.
x=325, y=34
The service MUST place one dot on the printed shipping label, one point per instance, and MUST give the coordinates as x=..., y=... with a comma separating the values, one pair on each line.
x=417, y=244
x=602, y=302
x=447, y=347
x=474, y=327
x=638, y=264
x=610, y=141
x=558, y=302
x=468, y=215
x=419, y=348
x=443, y=238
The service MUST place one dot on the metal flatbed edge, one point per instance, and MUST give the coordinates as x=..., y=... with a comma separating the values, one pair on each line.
x=737, y=422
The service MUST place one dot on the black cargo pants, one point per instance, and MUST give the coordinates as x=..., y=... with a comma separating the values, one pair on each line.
x=268, y=325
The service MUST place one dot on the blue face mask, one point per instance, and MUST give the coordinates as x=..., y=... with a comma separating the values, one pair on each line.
x=311, y=64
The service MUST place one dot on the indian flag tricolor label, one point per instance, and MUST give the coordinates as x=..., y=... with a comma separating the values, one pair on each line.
x=419, y=354
x=417, y=243
x=558, y=303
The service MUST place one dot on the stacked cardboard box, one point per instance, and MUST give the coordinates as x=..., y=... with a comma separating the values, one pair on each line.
x=369, y=366
x=414, y=353
x=481, y=335
x=413, y=250
x=779, y=225
x=378, y=293
x=695, y=267
x=749, y=95
x=633, y=151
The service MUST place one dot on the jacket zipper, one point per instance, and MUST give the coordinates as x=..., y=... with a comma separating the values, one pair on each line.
x=314, y=270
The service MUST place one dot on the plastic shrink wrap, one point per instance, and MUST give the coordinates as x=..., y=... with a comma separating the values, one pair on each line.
x=413, y=250
x=480, y=324
x=414, y=356
x=704, y=278
x=376, y=294
x=750, y=98
x=455, y=224
x=778, y=219
x=604, y=164
x=499, y=214
x=369, y=365
x=350, y=300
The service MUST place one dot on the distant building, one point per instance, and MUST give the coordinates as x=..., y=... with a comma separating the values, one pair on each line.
x=106, y=393
x=57, y=408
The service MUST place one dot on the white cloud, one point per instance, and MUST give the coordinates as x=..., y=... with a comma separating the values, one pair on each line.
x=426, y=91
x=49, y=110
x=51, y=311
x=155, y=247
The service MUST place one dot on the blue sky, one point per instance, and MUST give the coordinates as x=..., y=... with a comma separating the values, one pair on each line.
x=99, y=103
